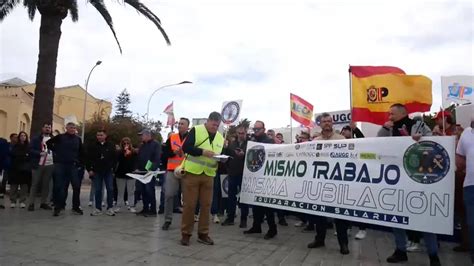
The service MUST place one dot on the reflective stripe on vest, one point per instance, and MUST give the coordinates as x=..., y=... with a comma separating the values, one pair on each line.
x=174, y=161
x=201, y=164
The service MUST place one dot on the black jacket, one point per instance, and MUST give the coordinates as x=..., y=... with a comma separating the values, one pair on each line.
x=149, y=151
x=235, y=165
x=262, y=139
x=125, y=165
x=67, y=149
x=101, y=157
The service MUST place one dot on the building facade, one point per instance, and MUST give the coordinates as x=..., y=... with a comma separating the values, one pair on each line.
x=16, y=105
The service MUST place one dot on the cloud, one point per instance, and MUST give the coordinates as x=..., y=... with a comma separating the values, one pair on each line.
x=258, y=51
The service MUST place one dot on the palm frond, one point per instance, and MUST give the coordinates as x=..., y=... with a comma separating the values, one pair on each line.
x=72, y=7
x=100, y=6
x=149, y=15
x=31, y=7
x=6, y=6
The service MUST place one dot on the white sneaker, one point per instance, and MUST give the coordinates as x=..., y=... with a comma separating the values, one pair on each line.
x=126, y=203
x=196, y=218
x=415, y=247
x=22, y=205
x=117, y=209
x=110, y=212
x=13, y=205
x=409, y=243
x=133, y=210
x=299, y=224
x=216, y=219
x=96, y=212
x=361, y=235
x=90, y=204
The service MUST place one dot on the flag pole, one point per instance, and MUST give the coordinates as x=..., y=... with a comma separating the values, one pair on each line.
x=291, y=124
x=444, y=122
x=350, y=98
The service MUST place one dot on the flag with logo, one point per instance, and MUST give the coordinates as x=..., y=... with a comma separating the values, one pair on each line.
x=230, y=112
x=457, y=89
x=301, y=110
x=170, y=112
x=376, y=88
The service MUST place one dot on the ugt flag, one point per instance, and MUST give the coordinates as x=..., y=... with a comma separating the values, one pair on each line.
x=301, y=110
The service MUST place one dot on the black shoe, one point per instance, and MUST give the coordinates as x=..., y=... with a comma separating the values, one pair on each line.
x=2, y=207
x=270, y=234
x=77, y=211
x=253, y=231
x=398, y=256
x=166, y=226
x=243, y=224
x=31, y=207
x=56, y=212
x=177, y=211
x=309, y=228
x=316, y=244
x=161, y=211
x=45, y=206
x=344, y=250
x=460, y=248
x=150, y=214
x=140, y=213
x=283, y=222
x=434, y=261
x=227, y=222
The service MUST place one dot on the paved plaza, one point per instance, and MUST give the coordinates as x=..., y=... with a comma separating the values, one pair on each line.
x=37, y=238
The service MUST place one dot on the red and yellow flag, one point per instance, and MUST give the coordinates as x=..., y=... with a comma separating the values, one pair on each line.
x=301, y=110
x=375, y=89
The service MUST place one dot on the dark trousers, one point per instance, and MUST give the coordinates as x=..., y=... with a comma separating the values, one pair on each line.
x=3, y=185
x=341, y=229
x=99, y=180
x=65, y=174
x=259, y=213
x=235, y=183
x=148, y=195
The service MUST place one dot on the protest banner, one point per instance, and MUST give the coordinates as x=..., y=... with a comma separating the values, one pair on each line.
x=394, y=182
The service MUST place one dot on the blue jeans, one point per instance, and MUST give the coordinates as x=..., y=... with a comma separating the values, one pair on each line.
x=469, y=205
x=65, y=174
x=431, y=241
x=148, y=195
x=235, y=183
x=99, y=180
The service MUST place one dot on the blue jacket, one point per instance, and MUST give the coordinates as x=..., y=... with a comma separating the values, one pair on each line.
x=149, y=151
x=67, y=149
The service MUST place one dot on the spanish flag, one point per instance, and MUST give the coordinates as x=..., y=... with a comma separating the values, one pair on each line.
x=376, y=88
x=301, y=110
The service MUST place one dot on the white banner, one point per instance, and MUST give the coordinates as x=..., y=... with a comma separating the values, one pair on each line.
x=231, y=112
x=457, y=89
x=394, y=182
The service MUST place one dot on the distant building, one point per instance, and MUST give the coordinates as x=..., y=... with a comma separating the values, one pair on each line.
x=16, y=105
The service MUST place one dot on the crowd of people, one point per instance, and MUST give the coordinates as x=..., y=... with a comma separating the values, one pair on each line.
x=47, y=165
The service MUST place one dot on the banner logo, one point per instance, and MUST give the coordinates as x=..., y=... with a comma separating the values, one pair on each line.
x=230, y=112
x=426, y=162
x=255, y=158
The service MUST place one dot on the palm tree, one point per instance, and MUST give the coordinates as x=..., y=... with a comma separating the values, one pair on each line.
x=52, y=14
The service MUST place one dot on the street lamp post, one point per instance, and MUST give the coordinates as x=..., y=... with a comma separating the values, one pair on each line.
x=162, y=87
x=85, y=100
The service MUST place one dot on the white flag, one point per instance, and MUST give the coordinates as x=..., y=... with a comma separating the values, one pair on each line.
x=457, y=89
x=231, y=112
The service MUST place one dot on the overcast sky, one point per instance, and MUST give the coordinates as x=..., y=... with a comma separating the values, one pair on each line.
x=255, y=50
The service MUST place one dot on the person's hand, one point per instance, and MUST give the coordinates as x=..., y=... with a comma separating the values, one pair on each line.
x=388, y=124
x=208, y=154
x=91, y=174
x=239, y=153
x=417, y=137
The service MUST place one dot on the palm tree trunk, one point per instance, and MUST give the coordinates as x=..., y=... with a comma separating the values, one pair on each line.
x=50, y=34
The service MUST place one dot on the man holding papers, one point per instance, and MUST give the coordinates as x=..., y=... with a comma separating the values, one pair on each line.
x=203, y=143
